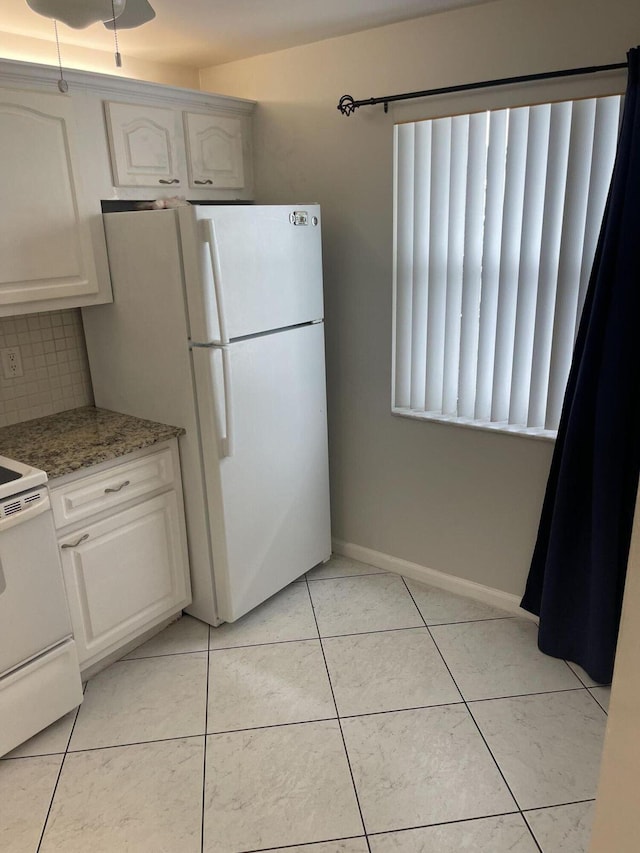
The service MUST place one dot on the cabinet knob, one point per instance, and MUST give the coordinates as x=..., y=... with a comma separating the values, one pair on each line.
x=75, y=544
x=117, y=488
x=200, y=183
x=169, y=181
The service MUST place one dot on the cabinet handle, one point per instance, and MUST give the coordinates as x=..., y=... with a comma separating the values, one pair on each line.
x=75, y=544
x=117, y=488
x=208, y=181
x=170, y=181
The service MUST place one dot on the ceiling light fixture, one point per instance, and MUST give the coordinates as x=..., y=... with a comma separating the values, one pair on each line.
x=79, y=14
x=136, y=13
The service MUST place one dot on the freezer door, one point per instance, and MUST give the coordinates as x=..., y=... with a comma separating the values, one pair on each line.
x=251, y=269
x=264, y=439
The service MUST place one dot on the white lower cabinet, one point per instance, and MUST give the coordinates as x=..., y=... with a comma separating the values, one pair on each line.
x=125, y=568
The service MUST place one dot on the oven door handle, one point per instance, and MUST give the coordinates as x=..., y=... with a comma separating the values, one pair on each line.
x=24, y=515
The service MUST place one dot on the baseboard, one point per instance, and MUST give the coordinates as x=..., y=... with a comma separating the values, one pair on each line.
x=460, y=586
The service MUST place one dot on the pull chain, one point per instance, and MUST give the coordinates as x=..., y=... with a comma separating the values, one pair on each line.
x=115, y=36
x=63, y=86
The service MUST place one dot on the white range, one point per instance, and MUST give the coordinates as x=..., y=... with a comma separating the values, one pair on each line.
x=39, y=672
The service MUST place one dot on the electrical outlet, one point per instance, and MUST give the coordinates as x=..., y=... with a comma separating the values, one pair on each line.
x=11, y=362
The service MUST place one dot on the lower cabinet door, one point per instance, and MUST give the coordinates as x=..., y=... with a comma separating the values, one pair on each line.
x=123, y=574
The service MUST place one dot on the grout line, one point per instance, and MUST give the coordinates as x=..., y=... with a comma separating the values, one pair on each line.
x=571, y=669
x=55, y=787
x=344, y=743
x=349, y=634
x=342, y=577
x=163, y=655
x=468, y=621
x=188, y=737
x=62, y=752
x=204, y=751
x=291, y=723
x=270, y=643
x=275, y=726
x=559, y=805
x=443, y=823
x=136, y=743
x=524, y=695
x=339, y=719
x=476, y=724
x=596, y=700
x=581, y=679
x=307, y=844
x=531, y=832
x=400, y=710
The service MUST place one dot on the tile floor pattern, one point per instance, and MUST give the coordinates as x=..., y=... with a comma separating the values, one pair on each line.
x=354, y=712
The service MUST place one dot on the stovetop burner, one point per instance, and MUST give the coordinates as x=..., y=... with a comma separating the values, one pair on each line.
x=7, y=475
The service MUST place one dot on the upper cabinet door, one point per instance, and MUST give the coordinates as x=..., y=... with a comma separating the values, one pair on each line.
x=214, y=151
x=144, y=146
x=46, y=251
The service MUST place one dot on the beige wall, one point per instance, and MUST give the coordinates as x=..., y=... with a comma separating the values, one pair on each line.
x=43, y=52
x=615, y=828
x=458, y=500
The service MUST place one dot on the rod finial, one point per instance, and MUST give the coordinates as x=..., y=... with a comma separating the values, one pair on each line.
x=347, y=105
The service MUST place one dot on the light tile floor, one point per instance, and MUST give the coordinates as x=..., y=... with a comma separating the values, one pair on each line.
x=353, y=712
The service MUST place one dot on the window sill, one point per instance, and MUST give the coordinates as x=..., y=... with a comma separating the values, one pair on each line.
x=501, y=427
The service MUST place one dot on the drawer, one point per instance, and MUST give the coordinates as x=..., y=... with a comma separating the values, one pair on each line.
x=110, y=488
x=37, y=694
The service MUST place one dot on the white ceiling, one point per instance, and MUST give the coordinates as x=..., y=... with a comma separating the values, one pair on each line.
x=200, y=33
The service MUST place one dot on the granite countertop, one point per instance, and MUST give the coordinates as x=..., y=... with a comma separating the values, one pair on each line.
x=79, y=438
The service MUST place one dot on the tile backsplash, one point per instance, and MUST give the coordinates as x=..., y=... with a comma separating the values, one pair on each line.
x=54, y=362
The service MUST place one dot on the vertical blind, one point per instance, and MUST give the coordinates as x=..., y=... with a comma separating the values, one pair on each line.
x=496, y=220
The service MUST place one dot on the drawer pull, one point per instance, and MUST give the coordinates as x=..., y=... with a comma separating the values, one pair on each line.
x=170, y=181
x=202, y=183
x=117, y=488
x=75, y=544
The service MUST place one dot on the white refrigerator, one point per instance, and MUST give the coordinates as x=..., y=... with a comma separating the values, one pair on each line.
x=217, y=326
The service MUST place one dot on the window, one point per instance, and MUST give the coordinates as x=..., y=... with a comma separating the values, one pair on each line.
x=496, y=220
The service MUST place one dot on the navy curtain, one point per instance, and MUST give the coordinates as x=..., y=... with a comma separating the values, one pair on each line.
x=577, y=574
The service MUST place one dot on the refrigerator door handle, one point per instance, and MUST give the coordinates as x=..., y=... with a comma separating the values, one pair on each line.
x=211, y=241
x=227, y=440
x=212, y=372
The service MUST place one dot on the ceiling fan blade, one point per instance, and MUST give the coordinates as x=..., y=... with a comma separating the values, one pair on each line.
x=136, y=13
x=77, y=13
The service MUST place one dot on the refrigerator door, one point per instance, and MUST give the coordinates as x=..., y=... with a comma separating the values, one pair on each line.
x=263, y=430
x=250, y=269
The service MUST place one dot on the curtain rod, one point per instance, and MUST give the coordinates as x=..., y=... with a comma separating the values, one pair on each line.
x=347, y=105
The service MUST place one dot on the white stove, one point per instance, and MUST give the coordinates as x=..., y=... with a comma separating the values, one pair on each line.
x=39, y=672
x=16, y=477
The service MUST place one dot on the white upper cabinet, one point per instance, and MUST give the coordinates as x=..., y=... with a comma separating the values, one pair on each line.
x=46, y=251
x=144, y=145
x=108, y=141
x=162, y=147
x=214, y=151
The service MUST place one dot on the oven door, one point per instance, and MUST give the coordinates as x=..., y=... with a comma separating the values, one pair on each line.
x=33, y=608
